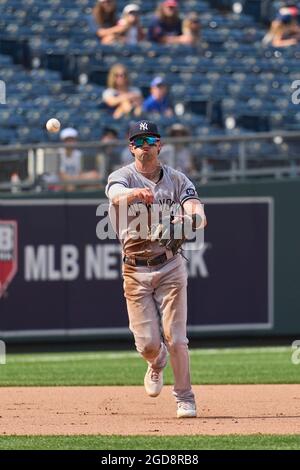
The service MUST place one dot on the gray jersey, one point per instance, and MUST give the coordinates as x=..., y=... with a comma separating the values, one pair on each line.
x=171, y=191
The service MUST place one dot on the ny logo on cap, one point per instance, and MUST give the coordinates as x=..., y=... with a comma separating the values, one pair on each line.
x=143, y=126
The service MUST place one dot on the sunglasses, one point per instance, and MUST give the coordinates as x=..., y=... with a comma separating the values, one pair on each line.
x=139, y=141
x=120, y=74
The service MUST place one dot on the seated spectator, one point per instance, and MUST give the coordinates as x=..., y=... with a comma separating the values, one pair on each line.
x=126, y=156
x=119, y=96
x=179, y=155
x=70, y=168
x=166, y=24
x=108, y=159
x=158, y=100
x=191, y=29
x=284, y=30
x=104, y=20
x=131, y=31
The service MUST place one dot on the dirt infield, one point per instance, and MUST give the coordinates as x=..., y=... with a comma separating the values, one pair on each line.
x=229, y=409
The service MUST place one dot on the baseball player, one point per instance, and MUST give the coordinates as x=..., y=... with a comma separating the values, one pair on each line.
x=154, y=273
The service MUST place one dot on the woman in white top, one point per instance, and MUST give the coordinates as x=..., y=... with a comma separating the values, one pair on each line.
x=70, y=167
x=119, y=96
x=132, y=31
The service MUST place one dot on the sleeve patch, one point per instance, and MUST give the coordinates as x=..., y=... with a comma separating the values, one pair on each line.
x=190, y=192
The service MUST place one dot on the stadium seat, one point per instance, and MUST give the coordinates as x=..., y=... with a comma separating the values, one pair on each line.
x=62, y=67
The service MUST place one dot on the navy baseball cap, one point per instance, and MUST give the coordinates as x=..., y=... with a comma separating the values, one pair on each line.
x=143, y=128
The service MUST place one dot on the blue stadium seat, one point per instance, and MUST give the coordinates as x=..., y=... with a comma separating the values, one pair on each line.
x=7, y=136
x=232, y=75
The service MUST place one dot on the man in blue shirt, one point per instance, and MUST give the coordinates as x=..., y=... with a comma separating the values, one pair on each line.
x=158, y=101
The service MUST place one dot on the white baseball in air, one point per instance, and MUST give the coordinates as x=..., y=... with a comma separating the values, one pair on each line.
x=53, y=125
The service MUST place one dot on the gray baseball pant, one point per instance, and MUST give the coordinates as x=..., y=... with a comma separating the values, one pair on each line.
x=156, y=300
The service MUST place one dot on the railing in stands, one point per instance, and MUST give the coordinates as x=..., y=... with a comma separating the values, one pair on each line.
x=36, y=167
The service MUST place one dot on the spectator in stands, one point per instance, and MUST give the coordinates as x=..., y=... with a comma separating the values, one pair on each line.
x=191, y=30
x=131, y=31
x=284, y=30
x=158, y=100
x=179, y=155
x=120, y=96
x=104, y=20
x=126, y=156
x=70, y=168
x=108, y=159
x=166, y=24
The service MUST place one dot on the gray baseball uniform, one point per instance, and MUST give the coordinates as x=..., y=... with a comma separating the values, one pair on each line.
x=156, y=296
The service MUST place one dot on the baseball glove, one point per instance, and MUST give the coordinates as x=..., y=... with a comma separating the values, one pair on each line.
x=171, y=232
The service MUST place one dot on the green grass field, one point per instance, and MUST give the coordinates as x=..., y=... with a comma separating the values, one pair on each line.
x=209, y=366
x=253, y=442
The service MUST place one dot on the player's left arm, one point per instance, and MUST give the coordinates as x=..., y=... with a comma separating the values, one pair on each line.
x=195, y=209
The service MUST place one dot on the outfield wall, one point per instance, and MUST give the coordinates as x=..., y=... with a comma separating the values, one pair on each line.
x=59, y=280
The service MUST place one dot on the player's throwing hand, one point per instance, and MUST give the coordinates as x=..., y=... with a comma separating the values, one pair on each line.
x=144, y=195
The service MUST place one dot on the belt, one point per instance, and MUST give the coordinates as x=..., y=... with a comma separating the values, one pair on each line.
x=133, y=261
